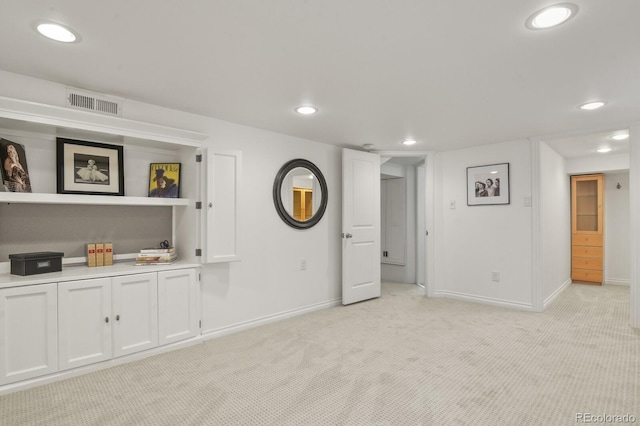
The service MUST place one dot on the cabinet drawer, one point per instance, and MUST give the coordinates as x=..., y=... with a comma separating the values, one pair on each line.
x=586, y=263
x=585, y=251
x=586, y=275
x=587, y=240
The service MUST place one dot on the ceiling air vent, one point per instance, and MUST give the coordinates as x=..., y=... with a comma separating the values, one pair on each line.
x=95, y=103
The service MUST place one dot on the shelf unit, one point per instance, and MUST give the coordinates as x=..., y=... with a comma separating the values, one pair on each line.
x=36, y=126
x=587, y=225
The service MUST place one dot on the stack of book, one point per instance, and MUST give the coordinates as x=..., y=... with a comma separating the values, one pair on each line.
x=156, y=256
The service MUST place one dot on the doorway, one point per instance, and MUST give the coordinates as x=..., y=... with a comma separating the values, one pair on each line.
x=405, y=259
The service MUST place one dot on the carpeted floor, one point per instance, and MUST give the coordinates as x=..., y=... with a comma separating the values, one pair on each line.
x=397, y=360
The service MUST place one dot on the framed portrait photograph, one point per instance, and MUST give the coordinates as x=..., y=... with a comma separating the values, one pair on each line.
x=164, y=180
x=89, y=168
x=488, y=185
x=14, y=172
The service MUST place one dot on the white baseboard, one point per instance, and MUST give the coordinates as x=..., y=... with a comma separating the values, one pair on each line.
x=549, y=300
x=234, y=328
x=617, y=281
x=484, y=300
x=78, y=371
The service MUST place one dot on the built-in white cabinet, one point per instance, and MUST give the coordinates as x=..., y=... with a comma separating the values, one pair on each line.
x=85, y=325
x=28, y=332
x=393, y=221
x=178, y=305
x=134, y=313
x=223, y=187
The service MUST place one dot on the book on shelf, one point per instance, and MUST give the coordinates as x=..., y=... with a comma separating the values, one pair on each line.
x=155, y=250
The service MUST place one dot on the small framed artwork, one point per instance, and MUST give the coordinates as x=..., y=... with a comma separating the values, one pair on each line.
x=14, y=170
x=488, y=185
x=89, y=168
x=164, y=180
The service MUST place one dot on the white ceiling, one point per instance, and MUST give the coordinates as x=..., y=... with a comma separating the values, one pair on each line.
x=448, y=73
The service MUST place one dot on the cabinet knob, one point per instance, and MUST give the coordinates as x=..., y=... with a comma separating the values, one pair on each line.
x=106, y=320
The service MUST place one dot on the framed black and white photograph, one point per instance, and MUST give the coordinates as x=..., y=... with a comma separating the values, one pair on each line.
x=89, y=168
x=488, y=185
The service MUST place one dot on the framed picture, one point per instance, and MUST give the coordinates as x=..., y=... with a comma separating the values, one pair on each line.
x=164, y=180
x=89, y=168
x=14, y=171
x=488, y=185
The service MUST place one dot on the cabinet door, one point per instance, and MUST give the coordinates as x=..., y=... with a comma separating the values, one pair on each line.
x=28, y=332
x=223, y=185
x=178, y=296
x=84, y=322
x=134, y=313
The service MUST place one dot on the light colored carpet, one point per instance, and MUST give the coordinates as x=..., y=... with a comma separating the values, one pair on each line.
x=397, y=360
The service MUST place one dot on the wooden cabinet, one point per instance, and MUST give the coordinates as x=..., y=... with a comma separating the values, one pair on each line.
x=587, y=231
x=28, y=332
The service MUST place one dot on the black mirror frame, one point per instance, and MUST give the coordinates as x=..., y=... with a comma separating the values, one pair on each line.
x=277, y=188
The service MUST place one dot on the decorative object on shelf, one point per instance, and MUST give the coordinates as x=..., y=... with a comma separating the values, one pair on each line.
x=163, y=255
x=300, y=194
x=99, y=254
x=36, y=263
x=15, y=174
x=164, y=180
x=488, y=185
x=108, y=254
x=89, y=168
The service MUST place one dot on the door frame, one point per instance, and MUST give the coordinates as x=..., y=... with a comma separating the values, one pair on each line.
x=429, y=211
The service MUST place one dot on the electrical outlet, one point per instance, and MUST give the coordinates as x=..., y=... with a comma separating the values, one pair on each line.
x=303, y=265
x=527, y=200
x=495, y=276
x=452, y=204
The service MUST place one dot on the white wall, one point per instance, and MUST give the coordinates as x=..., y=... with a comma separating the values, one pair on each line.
x=267, y=283
x=555, y=224
x=473, y=241
x=617, y=243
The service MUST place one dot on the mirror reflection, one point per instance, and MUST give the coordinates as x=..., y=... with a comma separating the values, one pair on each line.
x=301, y=194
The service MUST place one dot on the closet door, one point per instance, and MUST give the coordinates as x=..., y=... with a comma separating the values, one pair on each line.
x=587, y=252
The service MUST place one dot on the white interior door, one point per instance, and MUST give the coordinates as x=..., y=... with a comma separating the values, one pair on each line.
x=360, y=226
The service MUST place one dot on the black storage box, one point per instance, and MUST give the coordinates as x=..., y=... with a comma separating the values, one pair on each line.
x=36, y=263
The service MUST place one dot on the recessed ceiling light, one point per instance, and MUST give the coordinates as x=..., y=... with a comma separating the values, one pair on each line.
x=409, y=142
x=493, y=172
x=57, y=32
x=589, y=106
x=551, y=16
x=620, y=136
x=306, y=110
x=603, y=150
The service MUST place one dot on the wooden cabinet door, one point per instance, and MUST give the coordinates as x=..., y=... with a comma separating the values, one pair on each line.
x=84, y=322
x=178, y=305
x=28, y=332
x=134, y=313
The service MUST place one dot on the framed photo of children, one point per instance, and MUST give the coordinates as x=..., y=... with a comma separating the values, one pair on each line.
x=89, y=168
x=488, y=185
x=164, y=180
x=13, y=167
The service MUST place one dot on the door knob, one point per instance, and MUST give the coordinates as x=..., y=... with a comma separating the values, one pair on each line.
x=348, y=235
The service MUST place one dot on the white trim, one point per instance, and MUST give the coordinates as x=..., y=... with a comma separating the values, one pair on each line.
x=617, y=281
x=484, y=300
x=634, y=201
x=537, y=263
x=67, y=374
x=234, y=328
x=549, y=300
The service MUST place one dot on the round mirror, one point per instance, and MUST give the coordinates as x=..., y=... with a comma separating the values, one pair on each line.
x=300, y=194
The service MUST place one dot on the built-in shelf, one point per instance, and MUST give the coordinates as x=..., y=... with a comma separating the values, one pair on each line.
x=94, y=200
